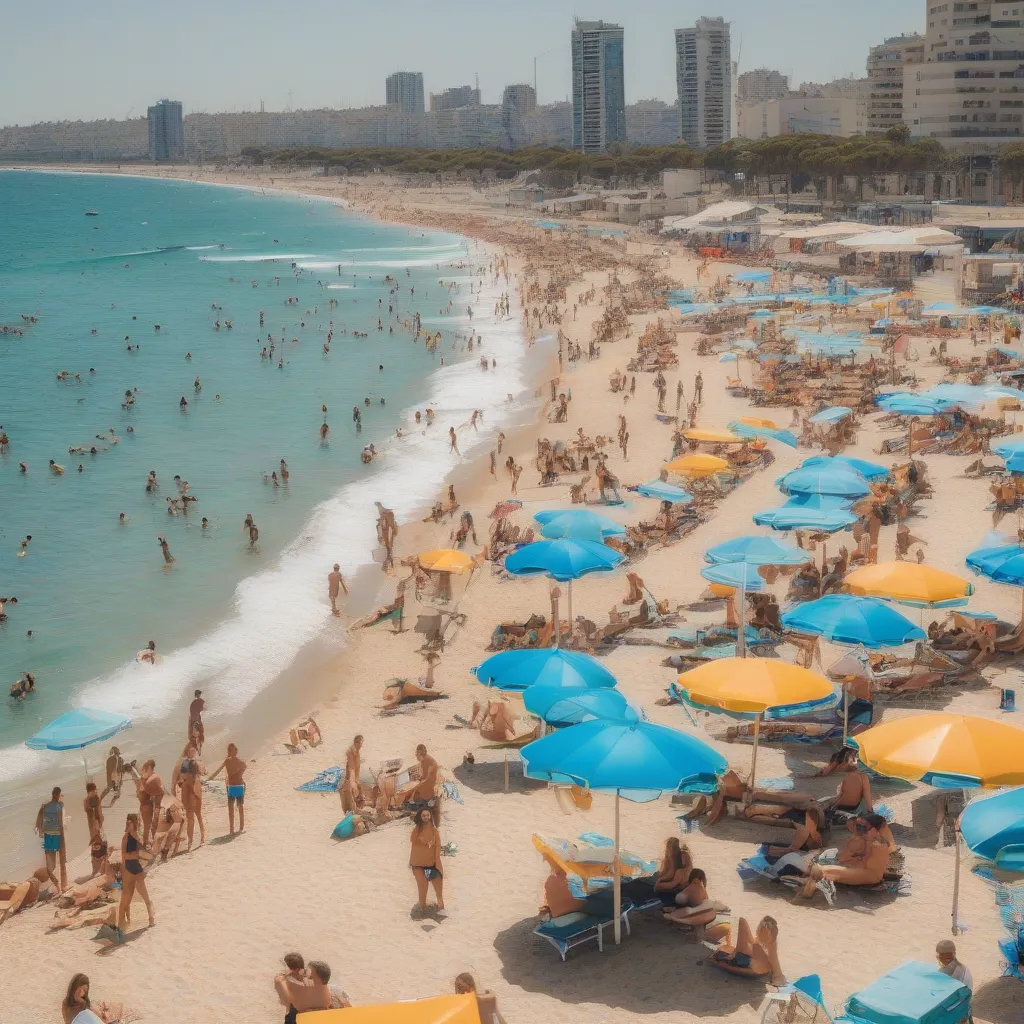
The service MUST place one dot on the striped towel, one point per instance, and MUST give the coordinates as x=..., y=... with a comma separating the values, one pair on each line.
x=326, y=781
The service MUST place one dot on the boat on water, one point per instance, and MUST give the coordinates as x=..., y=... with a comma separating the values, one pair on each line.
x=91, y=213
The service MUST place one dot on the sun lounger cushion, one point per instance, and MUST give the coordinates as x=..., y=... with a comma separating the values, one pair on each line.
x=572, y=930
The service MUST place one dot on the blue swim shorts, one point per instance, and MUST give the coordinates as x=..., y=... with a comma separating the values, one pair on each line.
x=51, y=843
x=236, y=793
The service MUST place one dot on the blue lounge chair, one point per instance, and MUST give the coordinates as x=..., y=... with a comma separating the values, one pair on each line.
x=571, y=930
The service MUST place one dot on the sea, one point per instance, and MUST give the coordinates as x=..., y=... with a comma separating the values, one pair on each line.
x=115, y=287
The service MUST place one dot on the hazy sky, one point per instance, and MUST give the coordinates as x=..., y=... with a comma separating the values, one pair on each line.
x=69, y=59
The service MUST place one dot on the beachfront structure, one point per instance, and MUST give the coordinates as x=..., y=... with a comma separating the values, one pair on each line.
x=452, y=99
x=760, y=85
x=886, y=72
x=598, y=86
x=967, y=92
x=517, y=102
x=166, y=131
x=795, y=115
x=704, y=83
x=404, y=89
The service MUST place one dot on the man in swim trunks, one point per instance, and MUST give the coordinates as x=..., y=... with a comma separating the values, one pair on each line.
x=196, y=732
x=50, y=825
x=349, y=790
x=235, y=768
x=335, y=583
x=150, y=789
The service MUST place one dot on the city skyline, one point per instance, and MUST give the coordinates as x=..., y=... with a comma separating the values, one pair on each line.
x=298, y=66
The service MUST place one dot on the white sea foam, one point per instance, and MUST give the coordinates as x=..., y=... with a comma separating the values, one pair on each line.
x=277, y=611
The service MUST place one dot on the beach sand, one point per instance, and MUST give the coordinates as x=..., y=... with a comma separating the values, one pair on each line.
x=227, y=912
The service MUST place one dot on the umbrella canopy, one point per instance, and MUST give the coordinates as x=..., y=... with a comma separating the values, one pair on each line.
x=635, y=760
x=505, y=508
x=697, y=465
x=831, y=415
x=750, y=686
x=753, y=421
x=846, y=619
x=837, y=480
x=563, y=559
x=945, y=750
x=560, y=705
x=796, y=516
x=1003, y=564
x=735, y=574
x=728, y=357
x=914, y=405
x=665, y=492
x=1008, y=447
x=577, y=523
x=751, y=430
x=436, y=1010
x=711, y=436
x=989, y=826
x=446, y=560
x=909, y=583
x=753, y=275
x=79, y=728
x=757, y=551
x=520, y=670
x=868, y=470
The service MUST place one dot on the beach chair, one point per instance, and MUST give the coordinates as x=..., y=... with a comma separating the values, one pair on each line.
x=572, y=930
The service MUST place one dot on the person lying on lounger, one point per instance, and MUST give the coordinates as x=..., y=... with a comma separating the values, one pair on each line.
x=559, y=900
x=732, y=788
x=806, y=836
x=755, y=955
x=693, y=907
x=671, y=879
x=862, y=861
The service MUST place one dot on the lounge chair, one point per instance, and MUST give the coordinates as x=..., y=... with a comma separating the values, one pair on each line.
x=1012, y=949
x=571, y=930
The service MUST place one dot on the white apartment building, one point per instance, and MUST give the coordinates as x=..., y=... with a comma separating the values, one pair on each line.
x=969, y=91
x=704, y=83
x=761, y=84
x=886, y=64
x=795, y=115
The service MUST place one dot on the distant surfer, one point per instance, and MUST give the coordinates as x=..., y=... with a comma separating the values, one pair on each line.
x=148, y=653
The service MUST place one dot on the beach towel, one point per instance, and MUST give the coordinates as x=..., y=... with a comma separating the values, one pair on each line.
x=326, y=781
x=451, y=792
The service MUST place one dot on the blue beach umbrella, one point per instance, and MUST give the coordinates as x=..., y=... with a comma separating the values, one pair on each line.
x=795, y=516
x=577, y=524
x=1002, y=564
x=563, y=560
x=905, y=404
x=75, y=730
x=749, y=430
x=846, y=619
x=515, y=671
x=752, y=275
x=1009, y=446
x=757, y=550
x=560, y=705
x=741, y=575
x=993, y=828
x=665, y=492
x=835, y=480
x=868, y=470
x=636, y=760
x=832, y=415
x=728, y=357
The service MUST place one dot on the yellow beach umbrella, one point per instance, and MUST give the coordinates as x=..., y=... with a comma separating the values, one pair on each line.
x=752, y=686
x=944, y=748
x=711, y=436
x=909, y=583
x=437, y=1010
x=697, y=465
x=446, y=560
x=753, y=421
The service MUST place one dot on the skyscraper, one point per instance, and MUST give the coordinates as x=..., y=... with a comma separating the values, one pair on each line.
x=762, y=84
x=516, y=103
x=704, y=83
x=452, y=99
x=166, y=131
x=405, y=90
x=598, y=90
x=885, y=79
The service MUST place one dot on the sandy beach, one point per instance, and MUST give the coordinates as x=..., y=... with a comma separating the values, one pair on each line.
x=228, y=911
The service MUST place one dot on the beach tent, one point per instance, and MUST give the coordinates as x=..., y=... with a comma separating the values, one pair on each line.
x=460, y=1009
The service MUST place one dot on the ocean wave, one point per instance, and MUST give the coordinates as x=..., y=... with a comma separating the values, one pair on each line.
x=281, y=609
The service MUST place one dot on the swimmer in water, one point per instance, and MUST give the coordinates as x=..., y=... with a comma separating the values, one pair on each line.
x=122, y=519
x=254, y=535
x=183, y=404
x=206, y=522
x=166, y=551
x=324, y=431
x=23, y=466
x=284, y=472
x=58, y=470
x=148, y=654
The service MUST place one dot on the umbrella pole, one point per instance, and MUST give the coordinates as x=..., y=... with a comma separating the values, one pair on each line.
x=741, y=638
x=753, y=760
x=569, y=610
x=824, y=555
x=910, y=436
x=617, y=878
x=956, y=883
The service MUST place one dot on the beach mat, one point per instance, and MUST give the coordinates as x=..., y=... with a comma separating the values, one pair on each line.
x=326, y=781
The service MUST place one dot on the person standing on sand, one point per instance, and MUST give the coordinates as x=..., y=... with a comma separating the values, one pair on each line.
x=50, y=826
x=335, y=582
x=698, y=388
x=133, y=876
x=196, y=732
x=93, y=809
x=349, y=790
x=454, y=441
x=425, y=859
x=234, y=766
x=150, y=789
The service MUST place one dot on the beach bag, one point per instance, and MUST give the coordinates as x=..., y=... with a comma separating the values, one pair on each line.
x=344, y=828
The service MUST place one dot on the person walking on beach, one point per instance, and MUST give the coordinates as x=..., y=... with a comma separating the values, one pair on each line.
x=698, y=388
x=133, y=876
x=93, y=809
x=196, y=732
x=335, y=582
x=234, y=766
x=454, y=441
x=425, y=859
x=50, y=826
x=186, y=779
x=150, y=789
x=349, y=789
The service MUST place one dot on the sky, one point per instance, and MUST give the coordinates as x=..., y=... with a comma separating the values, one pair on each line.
x=111, y=58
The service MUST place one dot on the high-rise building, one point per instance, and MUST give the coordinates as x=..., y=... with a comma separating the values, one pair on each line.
x=598, y=87
x=967, y=90
x=760, y=85
x=704, y=83
x=404, y=89
x=517, y=102
x=886, y=71
x=652, y=123
x=452, y=99
x=166, y=131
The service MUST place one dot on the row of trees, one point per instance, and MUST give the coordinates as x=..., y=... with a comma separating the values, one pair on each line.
x=795, y=159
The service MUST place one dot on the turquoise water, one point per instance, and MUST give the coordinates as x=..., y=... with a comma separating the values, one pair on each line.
x=93, y=590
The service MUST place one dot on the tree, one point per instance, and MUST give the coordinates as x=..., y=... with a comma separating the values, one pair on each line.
x=898, y=135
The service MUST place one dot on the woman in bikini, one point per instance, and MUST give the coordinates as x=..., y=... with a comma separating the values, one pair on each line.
x=754, y=955
x=693, y=906
x=425, y=859
x=133, y=875
x=672, y=878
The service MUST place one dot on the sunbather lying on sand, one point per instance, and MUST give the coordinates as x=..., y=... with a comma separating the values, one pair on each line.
x=753, y=955
x=306, y=730
x=495, y=720
x=18, y=896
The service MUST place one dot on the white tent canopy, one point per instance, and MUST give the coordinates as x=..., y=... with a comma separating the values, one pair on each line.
x=717, y=213
x=910, y=240
x=837, y=229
